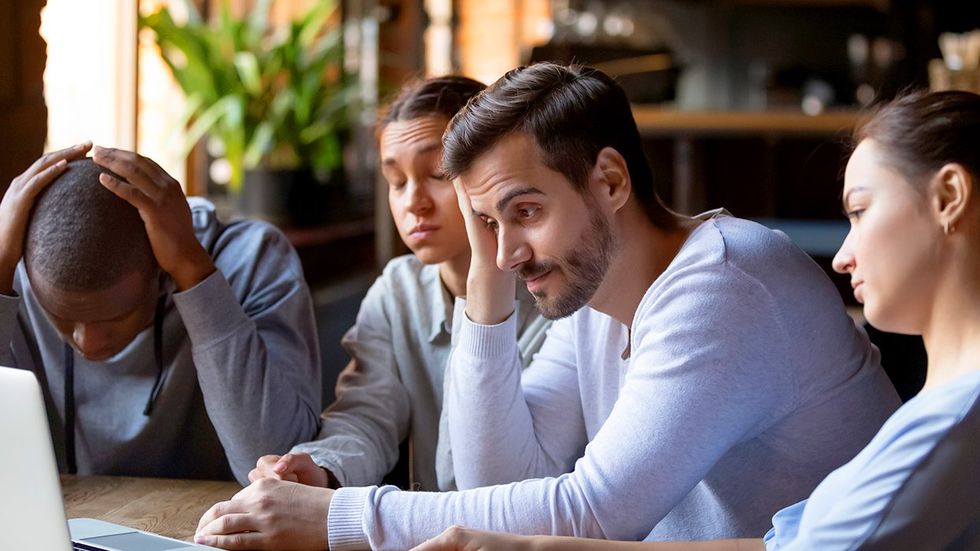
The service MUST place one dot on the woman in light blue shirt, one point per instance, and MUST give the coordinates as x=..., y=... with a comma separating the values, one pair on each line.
x=913, y=255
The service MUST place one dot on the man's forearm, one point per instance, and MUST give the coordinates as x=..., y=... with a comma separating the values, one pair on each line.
x=490, y=426
x=261, y=386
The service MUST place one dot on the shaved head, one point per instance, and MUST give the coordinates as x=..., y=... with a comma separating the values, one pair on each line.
x=81, y=237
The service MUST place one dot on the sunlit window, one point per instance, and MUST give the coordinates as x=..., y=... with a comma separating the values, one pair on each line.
x=494, y=37
x=439, y=37
x=90, y=78
x=92, y=88
x=159, y=124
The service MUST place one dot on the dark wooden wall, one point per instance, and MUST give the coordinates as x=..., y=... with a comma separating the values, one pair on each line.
x=23, y=115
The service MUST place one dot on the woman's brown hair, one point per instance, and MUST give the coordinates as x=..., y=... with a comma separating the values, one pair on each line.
x=919, y=132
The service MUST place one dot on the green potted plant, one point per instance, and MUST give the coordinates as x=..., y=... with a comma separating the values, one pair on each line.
x=274, y=97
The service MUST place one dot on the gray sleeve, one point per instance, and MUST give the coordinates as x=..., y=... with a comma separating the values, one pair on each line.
x=18, y=343
x=9, y=305
x=360, y=432
x=254, y=345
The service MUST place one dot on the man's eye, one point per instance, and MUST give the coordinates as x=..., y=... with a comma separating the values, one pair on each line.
x=527, y=212
x=492, y=224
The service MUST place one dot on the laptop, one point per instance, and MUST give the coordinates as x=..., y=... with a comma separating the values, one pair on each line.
x=32, y=513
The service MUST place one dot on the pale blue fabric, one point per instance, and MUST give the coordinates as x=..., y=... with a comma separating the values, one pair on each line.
x=903, y=491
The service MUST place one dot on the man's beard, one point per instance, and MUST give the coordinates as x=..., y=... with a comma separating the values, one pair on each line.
x=584, y=268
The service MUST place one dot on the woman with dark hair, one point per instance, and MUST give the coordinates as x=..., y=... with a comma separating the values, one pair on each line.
x=913, y=254
x=391, y=392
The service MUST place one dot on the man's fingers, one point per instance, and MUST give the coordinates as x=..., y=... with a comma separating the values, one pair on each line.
x=231, y=523
x=41, y=180
x=76, y=151
x=463, y=199
x=246, y=540
x=255, y=474
x=134, y=168
x=130, y=160
x=125, y=191
x=471, y=221
x=220, y=509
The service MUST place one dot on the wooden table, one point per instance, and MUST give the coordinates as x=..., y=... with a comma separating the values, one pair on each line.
x=166, y=507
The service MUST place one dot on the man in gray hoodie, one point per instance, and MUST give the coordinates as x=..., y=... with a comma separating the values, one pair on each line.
x=166, y=342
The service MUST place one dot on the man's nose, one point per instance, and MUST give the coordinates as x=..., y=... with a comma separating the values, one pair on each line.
x=512, y=249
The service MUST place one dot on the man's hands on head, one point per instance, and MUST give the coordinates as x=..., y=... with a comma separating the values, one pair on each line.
x=292, y=467
x=15, y=209
x=268, y=514
x=164, y=210
x=490, y=291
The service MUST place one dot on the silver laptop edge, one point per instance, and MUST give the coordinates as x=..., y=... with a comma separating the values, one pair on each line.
x=32, y=513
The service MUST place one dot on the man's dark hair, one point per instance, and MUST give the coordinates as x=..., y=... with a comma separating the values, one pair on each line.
x=81, y=237
x=444, y=96
x=572, y=112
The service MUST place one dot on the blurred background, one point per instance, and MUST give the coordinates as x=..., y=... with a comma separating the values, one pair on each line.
x=267, y=106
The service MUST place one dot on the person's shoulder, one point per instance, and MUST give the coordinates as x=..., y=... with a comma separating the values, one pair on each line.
x=912, y=432
x=941, y=408
x=222, y=237
x=721, y=274
x=713, y=254
x=771, y=259
x=243, y=245
x=408, y=272
x=406, y=279
x=747, y=241
x=407, y=266
x=722, y=239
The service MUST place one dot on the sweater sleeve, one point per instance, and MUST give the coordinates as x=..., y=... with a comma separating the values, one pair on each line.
x=18, y=343
x=254, y=345
x=505, y=426
x=9, y=306
x=707, y=372
x=360, y=432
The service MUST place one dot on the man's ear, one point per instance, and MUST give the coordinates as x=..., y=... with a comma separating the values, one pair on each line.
x=609, y=179
x=953, y=190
